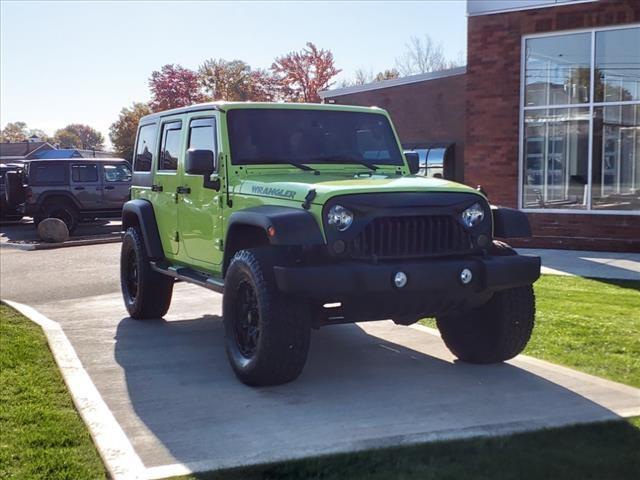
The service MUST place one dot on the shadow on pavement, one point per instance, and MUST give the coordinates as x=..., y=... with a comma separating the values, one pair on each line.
x=357, y=391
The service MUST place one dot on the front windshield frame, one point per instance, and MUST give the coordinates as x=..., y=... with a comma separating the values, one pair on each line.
x=312, y=136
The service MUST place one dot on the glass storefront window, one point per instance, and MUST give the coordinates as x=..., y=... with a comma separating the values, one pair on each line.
x=558, y=70
x=581, y=141
x=556, y=144
x=616, y=158
x=617, y=69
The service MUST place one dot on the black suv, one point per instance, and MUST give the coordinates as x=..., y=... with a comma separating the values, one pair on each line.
x=8, y=210
x=71, y=189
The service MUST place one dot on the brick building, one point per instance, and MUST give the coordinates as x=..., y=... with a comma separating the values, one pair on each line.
x=551, y=116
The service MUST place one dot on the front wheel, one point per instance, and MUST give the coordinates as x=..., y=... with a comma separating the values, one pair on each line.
x=146, y=293
x=267, y=334
x=494, y=332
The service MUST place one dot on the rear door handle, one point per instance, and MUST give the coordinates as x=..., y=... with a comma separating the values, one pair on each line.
x=78, y=188
x=183, y=190
x=156, y=188
x=108, y=188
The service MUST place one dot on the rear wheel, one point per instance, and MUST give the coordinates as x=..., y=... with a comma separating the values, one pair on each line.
x=146, y=293
x=267, y=334
x=62, y=209
x=494, y=332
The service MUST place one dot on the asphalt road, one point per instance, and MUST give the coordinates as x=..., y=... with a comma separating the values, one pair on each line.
x=170, y=388
x=43, y=276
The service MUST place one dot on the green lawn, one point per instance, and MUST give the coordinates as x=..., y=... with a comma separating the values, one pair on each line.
x=590, y=325
x=41, y=434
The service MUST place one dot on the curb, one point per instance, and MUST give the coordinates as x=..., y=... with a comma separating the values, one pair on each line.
x=69, y=243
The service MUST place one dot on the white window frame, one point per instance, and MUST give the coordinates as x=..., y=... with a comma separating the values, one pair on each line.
x=591, y=105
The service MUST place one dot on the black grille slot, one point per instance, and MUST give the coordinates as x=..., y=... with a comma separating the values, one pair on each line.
x=407, y=237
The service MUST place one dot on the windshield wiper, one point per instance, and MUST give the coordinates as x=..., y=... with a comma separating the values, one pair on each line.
x=301, y=166
x=345, y=159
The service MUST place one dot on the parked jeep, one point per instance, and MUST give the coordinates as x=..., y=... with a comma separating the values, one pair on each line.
x=72, y=189
x=8, y=210
x=310, y=215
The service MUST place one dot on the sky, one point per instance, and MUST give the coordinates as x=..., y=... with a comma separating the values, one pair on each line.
x=82, y=62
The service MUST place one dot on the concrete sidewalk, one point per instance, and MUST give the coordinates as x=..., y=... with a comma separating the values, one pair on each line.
x=172, y=394
x=613, y=265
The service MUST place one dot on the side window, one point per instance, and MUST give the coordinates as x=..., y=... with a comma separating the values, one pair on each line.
x=202, y=135
x=170, y=146
x=117, y=173
x=84, y=173
x=52, y=174
x=144, y=148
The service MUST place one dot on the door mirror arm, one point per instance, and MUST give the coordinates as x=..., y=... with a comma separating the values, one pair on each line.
x=213, y=182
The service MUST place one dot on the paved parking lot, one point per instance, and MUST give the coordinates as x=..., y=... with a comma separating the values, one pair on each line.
x=172, y=392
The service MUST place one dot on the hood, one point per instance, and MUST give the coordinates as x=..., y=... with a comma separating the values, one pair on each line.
x=295, y=186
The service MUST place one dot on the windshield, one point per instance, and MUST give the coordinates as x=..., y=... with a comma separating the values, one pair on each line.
x=268, y=136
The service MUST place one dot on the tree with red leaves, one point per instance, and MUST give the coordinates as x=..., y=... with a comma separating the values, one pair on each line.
x=301, y=75
x=174, y=86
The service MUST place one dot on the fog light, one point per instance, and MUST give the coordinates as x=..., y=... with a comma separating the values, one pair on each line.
x=400, y=279
x=466, y=276
x=339, y=247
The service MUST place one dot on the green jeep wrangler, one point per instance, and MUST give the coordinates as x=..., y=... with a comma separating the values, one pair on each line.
x=310, y=215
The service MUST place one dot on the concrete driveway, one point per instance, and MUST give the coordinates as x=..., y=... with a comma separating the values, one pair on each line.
x=170, y=389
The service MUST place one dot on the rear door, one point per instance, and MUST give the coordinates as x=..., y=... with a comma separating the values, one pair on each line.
x=117, y=182
x=86, y=186
x=166, y=182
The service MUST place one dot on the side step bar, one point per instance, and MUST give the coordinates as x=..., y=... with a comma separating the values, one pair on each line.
x=190, y=275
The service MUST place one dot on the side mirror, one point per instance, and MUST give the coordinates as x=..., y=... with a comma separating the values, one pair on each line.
x=413, y=161
x=199, y=162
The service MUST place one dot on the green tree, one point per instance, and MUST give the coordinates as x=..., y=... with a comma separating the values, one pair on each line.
x=64, y=138
x=14, y=132
x=77, y=135
x=235, y=80
x=123, y=131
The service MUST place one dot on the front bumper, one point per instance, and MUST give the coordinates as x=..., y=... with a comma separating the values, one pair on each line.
x=434, y=287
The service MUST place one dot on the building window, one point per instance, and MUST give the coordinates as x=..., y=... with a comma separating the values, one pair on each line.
x=581, y=121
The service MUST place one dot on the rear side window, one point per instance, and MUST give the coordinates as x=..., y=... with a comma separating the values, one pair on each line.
x=84, y=173
x=170, y=146
x=117, y=173
x=51, y=174
x=143, y=157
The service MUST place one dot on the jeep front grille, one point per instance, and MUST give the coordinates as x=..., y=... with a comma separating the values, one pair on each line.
x=410, y=237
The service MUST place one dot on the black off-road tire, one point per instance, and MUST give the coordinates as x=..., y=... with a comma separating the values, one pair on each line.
x=62, y=209
x=277, y=353
x=146, y=293
x=496, y=331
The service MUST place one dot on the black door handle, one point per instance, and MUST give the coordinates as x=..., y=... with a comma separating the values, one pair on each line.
x=108, y=188
x=183, y=190
x=78, y=188
x=156, y=188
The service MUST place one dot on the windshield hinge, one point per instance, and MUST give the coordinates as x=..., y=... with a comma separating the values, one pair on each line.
x=311, y=194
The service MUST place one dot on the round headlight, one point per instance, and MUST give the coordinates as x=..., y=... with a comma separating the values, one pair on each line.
x=340, y=217
x=473, y=215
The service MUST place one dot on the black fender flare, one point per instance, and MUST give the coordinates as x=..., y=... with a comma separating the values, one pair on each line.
x=42, y=199
x=510, y=223
x=282, y=225
x=140, y=212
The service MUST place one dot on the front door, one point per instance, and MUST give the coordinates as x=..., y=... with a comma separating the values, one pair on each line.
x=166, y=183
x=117, y=182
x=200, y=207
